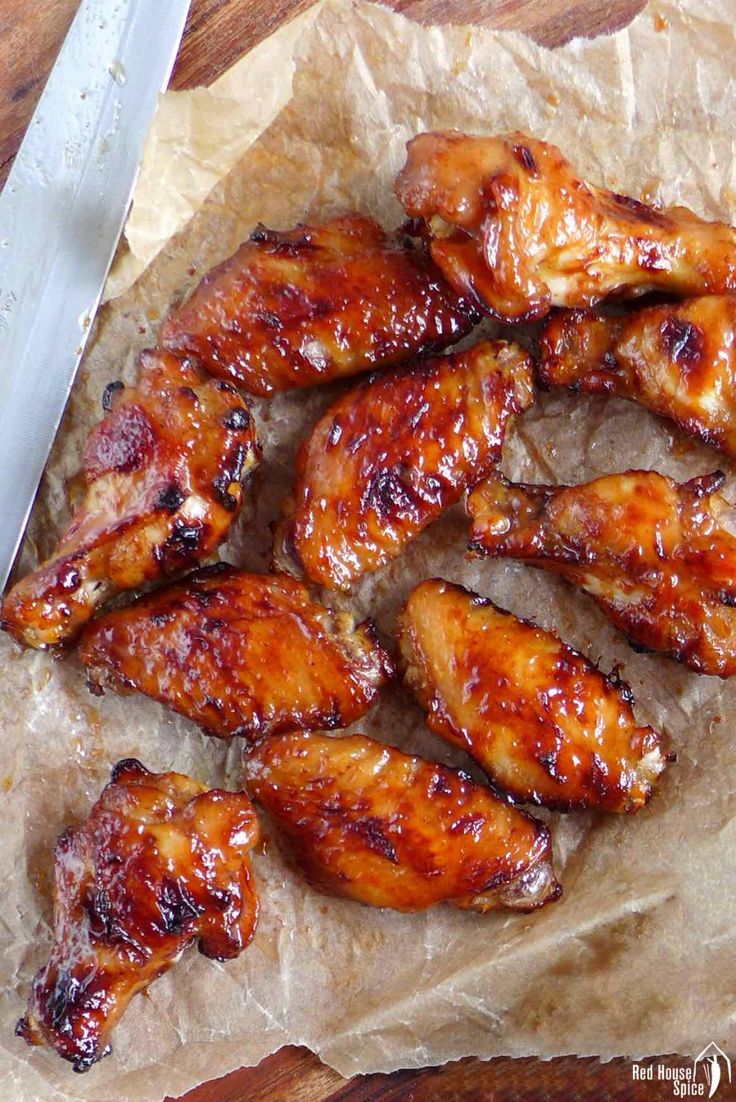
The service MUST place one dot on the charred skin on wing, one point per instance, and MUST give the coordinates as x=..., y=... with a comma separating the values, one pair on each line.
x=542, y=721
x=511, y=225
x=679, y=361
x=241, y=654
x=163, y=474
x=392, y=455
x=657, y=556
x=367, y=822
x=317, y=303
x=160, y=862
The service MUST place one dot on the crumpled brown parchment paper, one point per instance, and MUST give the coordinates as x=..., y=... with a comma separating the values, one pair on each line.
x=638, y=957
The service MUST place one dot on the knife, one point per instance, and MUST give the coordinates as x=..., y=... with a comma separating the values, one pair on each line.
x=61, y=214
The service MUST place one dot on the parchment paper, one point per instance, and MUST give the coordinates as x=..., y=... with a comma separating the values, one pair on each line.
x=638, y=957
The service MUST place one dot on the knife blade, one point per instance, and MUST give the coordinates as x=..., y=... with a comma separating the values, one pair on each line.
x=61, y=214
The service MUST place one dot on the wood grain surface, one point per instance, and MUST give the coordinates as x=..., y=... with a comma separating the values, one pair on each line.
x=218, y=33
x=296, y=1075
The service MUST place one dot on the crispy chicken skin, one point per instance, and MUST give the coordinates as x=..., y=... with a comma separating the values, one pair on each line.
x=677, y=360
x=370, y=823
x=160, y=862
x=514, y=227
x=658, y=557
x=240, y=654
x=539, y=718
x=314, y=304
x=163, y=474
x=391, y=455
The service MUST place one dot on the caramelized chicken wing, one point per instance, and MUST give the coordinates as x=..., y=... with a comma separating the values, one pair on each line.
x=539, y=718
x=659, y=558
x=163, y=477
x=316, y=303
x=240, y=654
x=678, y=361
x=370, y=823
x=388, y=457
x=160, y=862
x=513, y=226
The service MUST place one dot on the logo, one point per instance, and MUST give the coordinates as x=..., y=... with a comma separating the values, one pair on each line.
x=701, y=1079
x=714, y=1062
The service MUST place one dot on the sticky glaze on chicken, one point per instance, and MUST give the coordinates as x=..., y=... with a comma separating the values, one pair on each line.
x=370, y=823
x=659, y=558
x=240, y=654
x=316, y=303
x=161, y=862
x=513, y=226
x=678, y=361
x=388, y=457
x=538, y=717
x=163, y=475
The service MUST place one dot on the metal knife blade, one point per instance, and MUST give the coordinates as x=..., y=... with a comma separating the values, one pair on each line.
x=61, y=214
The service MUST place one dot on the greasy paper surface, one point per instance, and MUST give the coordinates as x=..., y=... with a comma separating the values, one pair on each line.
x=198, y=136
x=638, y=957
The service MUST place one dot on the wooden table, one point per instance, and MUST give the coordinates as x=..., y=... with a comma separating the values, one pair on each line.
x=219, y=32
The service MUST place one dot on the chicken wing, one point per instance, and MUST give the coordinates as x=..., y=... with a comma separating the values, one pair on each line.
x=240, y=654
x=659, y=558
x=163, y=477
x=538, y=717
x=388, y=457
x=370, y=823
x=678, y=361
x=316, y=303
x=514, y=227
x=160, y=862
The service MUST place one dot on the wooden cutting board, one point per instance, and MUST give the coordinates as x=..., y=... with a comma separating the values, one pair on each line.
x=218, y=33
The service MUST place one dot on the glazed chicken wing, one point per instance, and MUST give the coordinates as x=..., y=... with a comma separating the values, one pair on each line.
x=160, y=862
x=388, y=457
x=659, y=558
x=370, y=823
x=240, y=654
x=163, y=477
x=678, y=361
x=316, y=303
x=513, y=226
x=539, y=718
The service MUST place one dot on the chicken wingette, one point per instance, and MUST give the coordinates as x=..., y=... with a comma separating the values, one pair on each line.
x=677, y=360
x=545, y=725
x=367, y=822
x=390, y=456
x=658, y=557
x=163, y=473
x=314, y=304
x=512, y=226
x=160, y=862
x=240, y=654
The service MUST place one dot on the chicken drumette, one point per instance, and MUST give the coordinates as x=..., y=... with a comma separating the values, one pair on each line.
x=316, y=303
x=659, y=558
x=677, y=360
x=159, y=863
x=513, y=226
x=370, y=823
x=389, y=456
x=241, y=654
x=163, y=475
x=538, y=717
